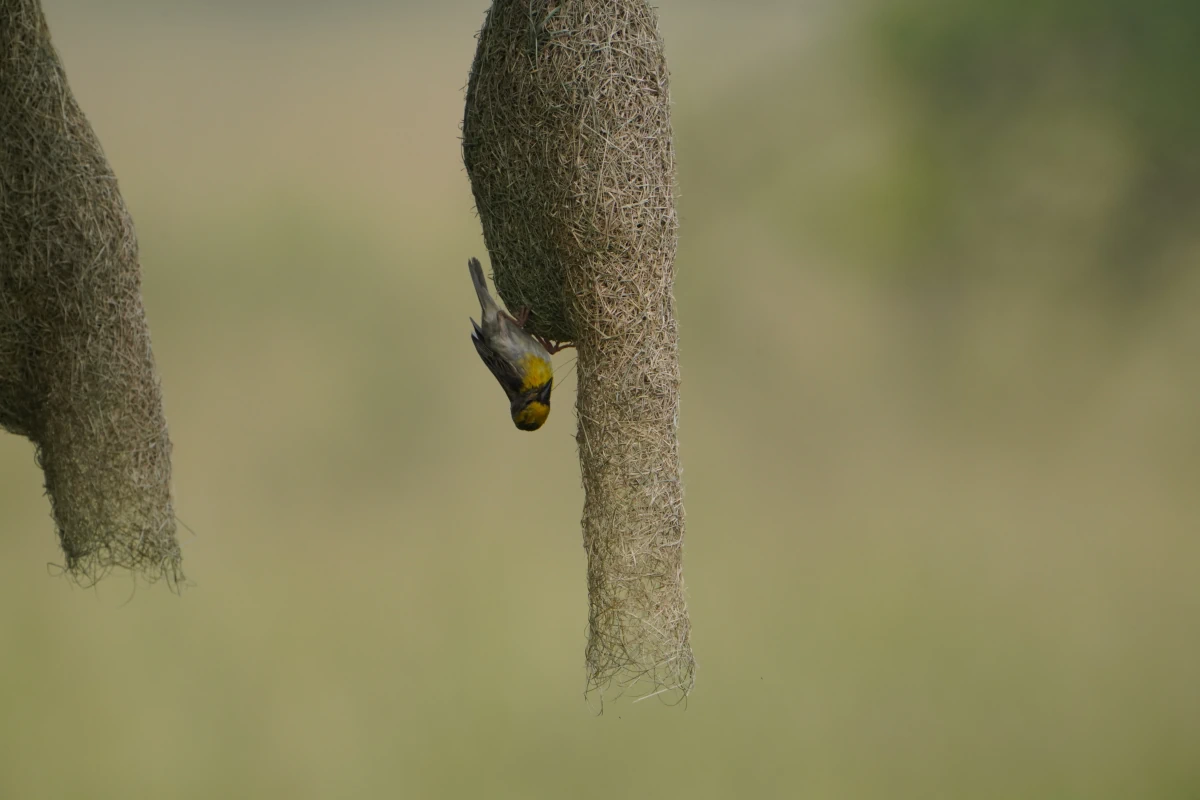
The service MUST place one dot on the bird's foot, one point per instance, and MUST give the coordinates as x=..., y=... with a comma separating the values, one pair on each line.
x=551, y=346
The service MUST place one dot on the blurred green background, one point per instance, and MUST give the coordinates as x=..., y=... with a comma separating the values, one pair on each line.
x=941, y=356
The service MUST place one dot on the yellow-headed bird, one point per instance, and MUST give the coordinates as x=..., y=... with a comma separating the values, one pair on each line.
x=520, y=362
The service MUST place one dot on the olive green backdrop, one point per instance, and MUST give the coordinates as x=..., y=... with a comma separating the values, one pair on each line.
x=937, y=296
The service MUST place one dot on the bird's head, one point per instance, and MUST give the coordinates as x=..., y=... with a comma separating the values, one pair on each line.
x=530, y=409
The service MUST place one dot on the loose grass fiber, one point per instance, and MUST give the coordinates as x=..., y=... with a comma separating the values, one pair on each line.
x=567, y=142
x=76, y=372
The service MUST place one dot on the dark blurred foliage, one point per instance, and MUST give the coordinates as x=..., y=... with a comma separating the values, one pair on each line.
x=973, y=69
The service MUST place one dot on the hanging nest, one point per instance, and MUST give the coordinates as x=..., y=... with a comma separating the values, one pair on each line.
x=77, y=375
x=567, y=142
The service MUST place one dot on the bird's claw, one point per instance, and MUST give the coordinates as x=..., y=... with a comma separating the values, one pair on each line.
x=551, y=346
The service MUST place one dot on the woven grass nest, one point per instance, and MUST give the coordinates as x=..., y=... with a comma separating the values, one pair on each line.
x=567, y=143
x=77, y=375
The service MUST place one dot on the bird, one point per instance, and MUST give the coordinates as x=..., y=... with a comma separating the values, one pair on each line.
x=519, y=360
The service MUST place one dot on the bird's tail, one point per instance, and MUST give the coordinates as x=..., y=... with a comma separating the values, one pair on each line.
x=485, y=299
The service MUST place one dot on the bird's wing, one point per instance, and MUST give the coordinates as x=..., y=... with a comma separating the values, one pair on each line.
x=505, y=373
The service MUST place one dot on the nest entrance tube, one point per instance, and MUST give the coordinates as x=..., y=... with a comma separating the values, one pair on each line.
x=567, y=142
x=77, y=375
